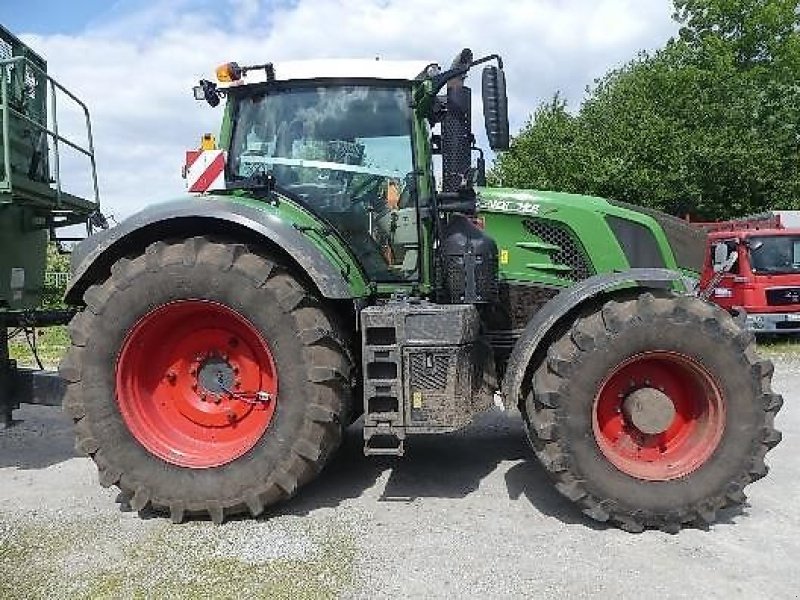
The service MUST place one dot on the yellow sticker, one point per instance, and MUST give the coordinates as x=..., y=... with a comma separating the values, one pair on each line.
x=503, y=256
x=416, y=399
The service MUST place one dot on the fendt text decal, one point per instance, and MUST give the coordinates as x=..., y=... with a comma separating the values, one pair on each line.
x=509, y=206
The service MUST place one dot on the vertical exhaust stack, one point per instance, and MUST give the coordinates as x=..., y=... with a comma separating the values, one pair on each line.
x=456, y=129
x=456, y=138
x=467, y=259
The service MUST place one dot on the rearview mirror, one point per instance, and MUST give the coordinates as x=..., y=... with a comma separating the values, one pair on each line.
x=495, y=107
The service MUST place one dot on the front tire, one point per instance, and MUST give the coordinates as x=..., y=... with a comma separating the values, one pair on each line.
x=653, y=412
x=205, y=379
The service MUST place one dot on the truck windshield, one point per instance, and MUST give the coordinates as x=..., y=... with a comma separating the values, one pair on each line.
x=345, y=152
x=775, y=254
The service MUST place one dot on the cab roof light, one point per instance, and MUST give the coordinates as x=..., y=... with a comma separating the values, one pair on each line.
x=229, y=72
x=232, y=72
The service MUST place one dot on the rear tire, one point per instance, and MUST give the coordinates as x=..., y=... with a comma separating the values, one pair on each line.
x=706, y=425
x=136, y=400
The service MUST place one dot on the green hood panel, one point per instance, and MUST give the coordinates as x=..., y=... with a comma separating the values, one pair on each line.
x=556, y=239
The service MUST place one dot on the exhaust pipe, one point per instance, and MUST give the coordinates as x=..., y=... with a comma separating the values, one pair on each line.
x=456, y=138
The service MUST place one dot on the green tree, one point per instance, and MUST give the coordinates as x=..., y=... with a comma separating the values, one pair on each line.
x=545, y=156
x=56, y=263
x=709, y=124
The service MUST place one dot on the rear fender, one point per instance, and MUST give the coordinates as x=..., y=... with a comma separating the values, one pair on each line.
x=186, y=217
x=560, y=307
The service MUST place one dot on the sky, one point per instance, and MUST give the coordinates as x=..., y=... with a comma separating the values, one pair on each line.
x=134, y=62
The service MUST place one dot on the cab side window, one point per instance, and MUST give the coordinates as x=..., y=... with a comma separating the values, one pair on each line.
x=733, y=246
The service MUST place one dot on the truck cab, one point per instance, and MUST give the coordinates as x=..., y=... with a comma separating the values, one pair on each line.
x=764, y=282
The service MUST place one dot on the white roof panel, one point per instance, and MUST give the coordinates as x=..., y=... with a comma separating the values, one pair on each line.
x=789, y=218
x=342, y=67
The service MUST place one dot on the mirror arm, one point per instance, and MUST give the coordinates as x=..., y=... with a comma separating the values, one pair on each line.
x=488, y=58
x=440, y=80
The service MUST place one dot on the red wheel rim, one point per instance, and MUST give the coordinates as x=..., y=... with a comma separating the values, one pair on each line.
x=658, y=416
x=196, y=383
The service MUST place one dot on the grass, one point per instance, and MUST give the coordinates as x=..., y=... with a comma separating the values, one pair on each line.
x=787, y=345
x=51, y=342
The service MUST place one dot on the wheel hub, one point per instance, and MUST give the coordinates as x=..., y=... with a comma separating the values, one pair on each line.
x=650, y=410
x=209, y=393
x=216, y=376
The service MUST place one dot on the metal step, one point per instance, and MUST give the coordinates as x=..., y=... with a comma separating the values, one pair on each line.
x=384, y=411
x=384, y=440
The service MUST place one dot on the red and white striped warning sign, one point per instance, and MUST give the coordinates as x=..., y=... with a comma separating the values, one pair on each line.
x=205, y=170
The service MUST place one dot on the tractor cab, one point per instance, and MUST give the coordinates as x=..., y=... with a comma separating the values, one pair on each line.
x=356, y=151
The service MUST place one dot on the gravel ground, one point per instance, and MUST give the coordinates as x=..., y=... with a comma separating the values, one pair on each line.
x=464, y=515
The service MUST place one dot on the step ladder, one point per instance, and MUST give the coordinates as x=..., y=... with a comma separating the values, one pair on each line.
x=384, y=419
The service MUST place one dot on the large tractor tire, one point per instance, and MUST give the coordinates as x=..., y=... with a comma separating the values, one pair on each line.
x=653, y=412
x=205, y=379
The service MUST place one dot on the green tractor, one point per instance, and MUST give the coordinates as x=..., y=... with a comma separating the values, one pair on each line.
x=225, y=340
x=34, y=208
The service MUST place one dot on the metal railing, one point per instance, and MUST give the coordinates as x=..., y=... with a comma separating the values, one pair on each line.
x=20, y=62
x=53, y=279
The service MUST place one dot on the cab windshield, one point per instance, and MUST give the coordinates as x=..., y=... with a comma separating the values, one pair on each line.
x=775, y=254
x=345, y=152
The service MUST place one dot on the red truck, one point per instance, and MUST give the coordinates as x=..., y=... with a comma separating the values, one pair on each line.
x=764, y=282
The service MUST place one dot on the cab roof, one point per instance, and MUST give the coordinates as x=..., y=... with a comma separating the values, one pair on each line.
x=344, y=68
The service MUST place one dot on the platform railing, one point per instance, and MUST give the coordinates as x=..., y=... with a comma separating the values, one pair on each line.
x=8, y=112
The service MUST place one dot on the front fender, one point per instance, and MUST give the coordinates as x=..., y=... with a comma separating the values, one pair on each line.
x=560, y=306
x=211, y=214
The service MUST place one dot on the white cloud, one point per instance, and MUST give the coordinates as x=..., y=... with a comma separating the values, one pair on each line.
x=135, y=70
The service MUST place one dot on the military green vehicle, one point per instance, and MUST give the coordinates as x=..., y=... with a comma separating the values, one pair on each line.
x=34, y=206
x=225, y=340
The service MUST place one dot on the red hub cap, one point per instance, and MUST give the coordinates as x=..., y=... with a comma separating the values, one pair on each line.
x=658, y=416
x=196, y=383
